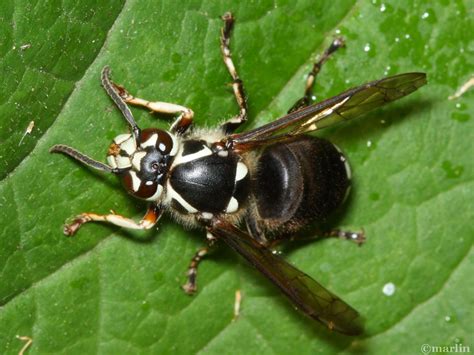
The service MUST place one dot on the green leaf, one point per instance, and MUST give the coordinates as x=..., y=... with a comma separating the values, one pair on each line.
x=112, y=291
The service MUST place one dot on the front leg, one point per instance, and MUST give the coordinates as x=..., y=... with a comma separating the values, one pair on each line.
x=152, y=216
x=190, y=286
x=237, y=85
x=185, y=115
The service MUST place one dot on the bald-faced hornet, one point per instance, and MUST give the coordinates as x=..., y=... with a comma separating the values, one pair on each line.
x=249, y=189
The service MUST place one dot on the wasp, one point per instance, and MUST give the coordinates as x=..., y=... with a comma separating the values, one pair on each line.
x=250, y=189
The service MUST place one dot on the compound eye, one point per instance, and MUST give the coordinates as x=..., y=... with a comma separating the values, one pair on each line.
x=161, y=140
x=146, y=190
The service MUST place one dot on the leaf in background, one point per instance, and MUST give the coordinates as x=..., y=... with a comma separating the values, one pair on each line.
x=111, y=291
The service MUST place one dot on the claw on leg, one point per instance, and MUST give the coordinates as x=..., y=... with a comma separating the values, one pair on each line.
x=356, y=237
x=190, y=286
x=71, y=228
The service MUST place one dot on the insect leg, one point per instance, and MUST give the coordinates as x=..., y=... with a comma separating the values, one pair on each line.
x=255, y=231
x=185, y=115
x=307, y=99
x=237, y=85
x=148, y=221
x=356, y=237
x=190, y=286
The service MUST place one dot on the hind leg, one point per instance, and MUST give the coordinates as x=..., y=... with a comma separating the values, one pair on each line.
x=307, y=99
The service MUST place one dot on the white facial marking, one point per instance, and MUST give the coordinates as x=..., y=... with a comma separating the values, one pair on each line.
x=186, y=158
x=135, y=181
x=111, y=161
x=123, y=162
x=157, y=194
x=129, y=146
x=150, y=142
x=122, y=138
x=136, y=159
x=172, y=194
x=174, y=150
x=241, y=171
x=232, y=206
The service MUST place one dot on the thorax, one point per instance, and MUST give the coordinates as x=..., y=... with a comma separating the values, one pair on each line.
x=205, y=181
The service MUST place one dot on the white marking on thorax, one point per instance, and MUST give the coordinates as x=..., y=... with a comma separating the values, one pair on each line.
x=207, y=215
x=232, y=206
x=241, y=171
x=135, y=180
x=181, y=159
x=172, y=194
x=210, y=135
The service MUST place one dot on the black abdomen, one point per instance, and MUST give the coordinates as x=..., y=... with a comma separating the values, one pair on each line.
x=299, y=182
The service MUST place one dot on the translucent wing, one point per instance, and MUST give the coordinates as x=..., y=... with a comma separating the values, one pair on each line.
x=345, y=106
x=308, y=295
